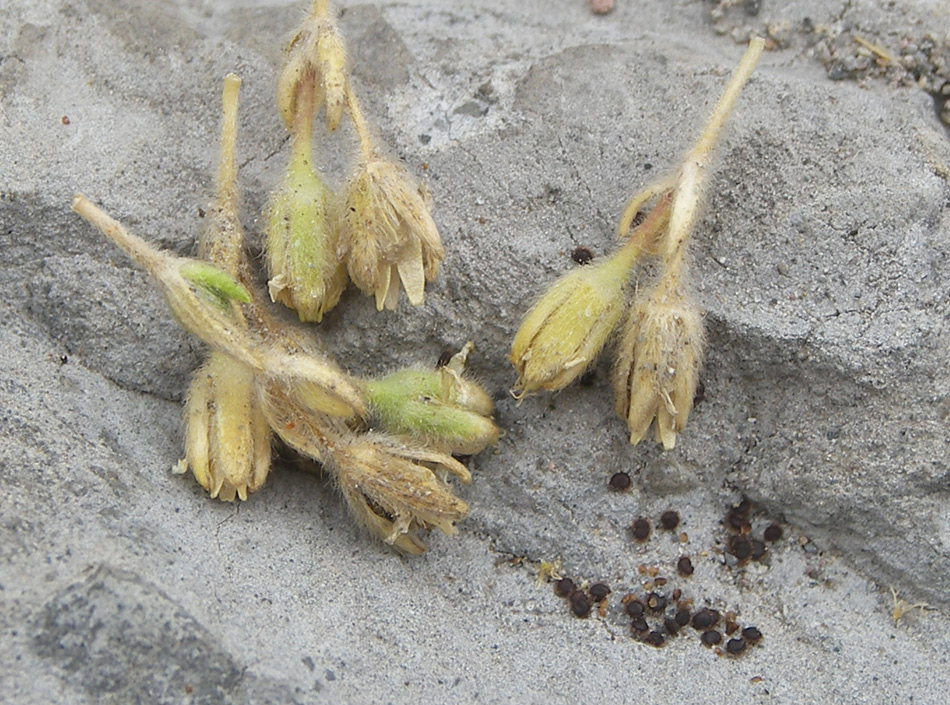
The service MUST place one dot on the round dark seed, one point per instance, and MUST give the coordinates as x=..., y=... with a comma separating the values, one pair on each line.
x=681, y=617
x=684, y=566
x=582, y=255
x=580, y=605
x=758, y=549
x=655, y=638
x=564, y=587
x=711, y=637
x=735, y=646
x=620, y=482
x=656, y=601
x=635, y=608
x=669, y=520
x=444, y=359
x=639, y=625
x=641, y=529
x=773, y=532
x=740, y=547
x=752, y=635
x=599, y=591
x=704, y=619
x=671, y=626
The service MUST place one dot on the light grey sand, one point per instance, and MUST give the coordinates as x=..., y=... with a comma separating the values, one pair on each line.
x=821, y=261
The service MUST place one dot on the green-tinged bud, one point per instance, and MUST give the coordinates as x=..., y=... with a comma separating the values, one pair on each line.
x=439, y=408
x=227, y=439
x=567, y=328
x=218, y=285
x=658, y=363
x=316, y=55
x=387, y=234
x=300, y=249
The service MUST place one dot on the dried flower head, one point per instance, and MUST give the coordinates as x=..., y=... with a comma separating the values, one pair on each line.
x=387, y=234
x=227, y=439
x=658, y=362
x=315, y=61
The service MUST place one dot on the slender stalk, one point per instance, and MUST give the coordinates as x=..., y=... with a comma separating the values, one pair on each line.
x=135, y=247
x=367, y=146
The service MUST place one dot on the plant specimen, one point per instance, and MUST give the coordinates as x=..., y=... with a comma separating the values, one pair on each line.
x=388, y=442
x=660, y=351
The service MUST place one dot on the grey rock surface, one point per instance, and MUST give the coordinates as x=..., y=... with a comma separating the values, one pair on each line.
x=821, y=261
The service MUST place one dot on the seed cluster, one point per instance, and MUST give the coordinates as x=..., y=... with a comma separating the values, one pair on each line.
x=659, y=611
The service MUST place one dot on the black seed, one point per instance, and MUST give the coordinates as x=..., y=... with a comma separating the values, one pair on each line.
x=599, y=591
x=641, y=529
x=758, y=549
x=582, y=255
x=711, y=637
x=752, y=635
x=671, y=626
x=656, y=601
x=580, y=605
x=705, y=618
x=773, y=532
x=639, y=625
x=740, y=547
x=684, y=566
x=619, y=482
x=681, y=617
x=655, y=639
x=669, y=520
x=735, y=646
x=444, y=359
x=677, y=594
x=635, y=608
x=564, y=587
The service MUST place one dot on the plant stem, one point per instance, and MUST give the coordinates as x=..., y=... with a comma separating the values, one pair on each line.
x=367, y=147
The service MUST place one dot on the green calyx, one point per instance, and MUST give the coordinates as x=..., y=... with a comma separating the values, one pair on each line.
x=220, y=286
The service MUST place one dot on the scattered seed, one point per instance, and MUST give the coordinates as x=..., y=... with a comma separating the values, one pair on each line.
x=735, y=646
x=681, y=617
x=564, y=587
x=619, y=482
x=639, y=625
x=660, y=582
x=752, y=635
x=635, y=608
x=444, y=359
x=65, y=119
x=655, y=638
x=684, y=566
x=711, y=637
x=740, y=547
x=758, y=549
x=582, y=255
x=641, y=529
x=773, y=532
x=656, y=601
x=669, y=520
x=705, y=618
x=671, y=626
x=684, y=537
x=580, y=605
x=599, y=591
x=677, y=594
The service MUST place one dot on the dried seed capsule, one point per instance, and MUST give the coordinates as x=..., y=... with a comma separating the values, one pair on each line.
x=641, y=529
x=669, y=520
x=773, y=532
x=580, y=605
x=620, y=482
x=599, y=591
x=752, y=635
x=711, y=637
x=735, y=646
x=684, y=566
x=564, y=587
